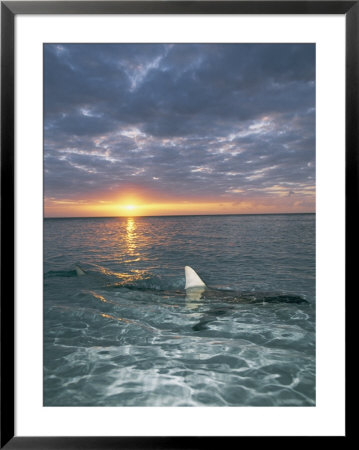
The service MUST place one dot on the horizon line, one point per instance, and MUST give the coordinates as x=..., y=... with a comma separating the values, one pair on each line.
x=180, y=215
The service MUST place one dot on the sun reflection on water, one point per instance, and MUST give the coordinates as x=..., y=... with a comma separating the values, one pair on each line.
x=132, y=241
x=131, y=236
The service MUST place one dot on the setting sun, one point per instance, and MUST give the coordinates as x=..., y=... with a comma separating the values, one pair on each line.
x=130, y=207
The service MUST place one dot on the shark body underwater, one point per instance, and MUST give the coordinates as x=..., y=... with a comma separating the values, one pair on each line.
x=197, y=291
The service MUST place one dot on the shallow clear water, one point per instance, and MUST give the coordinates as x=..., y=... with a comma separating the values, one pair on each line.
x=126, y=333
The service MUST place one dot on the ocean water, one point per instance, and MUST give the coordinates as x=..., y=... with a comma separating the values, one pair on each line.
x=127, y=334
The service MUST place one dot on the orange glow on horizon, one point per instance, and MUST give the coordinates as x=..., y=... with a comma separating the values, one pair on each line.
x=263, y=205
x=135, y=201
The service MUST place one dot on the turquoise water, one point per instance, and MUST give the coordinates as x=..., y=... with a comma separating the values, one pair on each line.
x=126, y=333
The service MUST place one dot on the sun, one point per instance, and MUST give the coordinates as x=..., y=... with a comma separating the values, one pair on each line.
x=130, y=207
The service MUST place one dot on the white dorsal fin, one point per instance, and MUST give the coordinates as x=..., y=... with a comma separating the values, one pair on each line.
x=79, y=271
x=192, y=279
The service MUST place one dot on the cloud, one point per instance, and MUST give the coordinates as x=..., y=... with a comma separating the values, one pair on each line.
x=226, y=121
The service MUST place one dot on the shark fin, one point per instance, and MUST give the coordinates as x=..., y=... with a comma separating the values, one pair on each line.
x=192, y=279
x=79, y=271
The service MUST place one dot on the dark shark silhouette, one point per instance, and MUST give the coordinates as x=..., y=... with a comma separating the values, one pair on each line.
x=197, y=290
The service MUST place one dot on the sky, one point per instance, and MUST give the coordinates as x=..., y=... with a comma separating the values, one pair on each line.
x=156, y=129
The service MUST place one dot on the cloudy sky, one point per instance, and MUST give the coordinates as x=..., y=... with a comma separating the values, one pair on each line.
x=154, y=129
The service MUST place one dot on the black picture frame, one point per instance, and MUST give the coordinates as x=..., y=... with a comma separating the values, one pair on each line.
x=9, y=9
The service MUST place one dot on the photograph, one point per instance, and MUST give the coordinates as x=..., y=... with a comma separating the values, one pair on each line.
x=179, y=224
